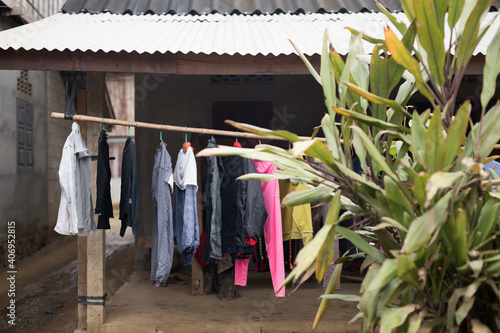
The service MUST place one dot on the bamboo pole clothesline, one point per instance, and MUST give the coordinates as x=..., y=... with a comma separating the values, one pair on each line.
x=172, y=128
x=184, y=129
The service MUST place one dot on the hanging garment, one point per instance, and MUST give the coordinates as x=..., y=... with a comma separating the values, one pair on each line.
x=103, y=204
x=213, y=245
x=243, y=208
x=129, y=193
x=186, y=228
x=162, y=247
x=297, y=220
x=75, y=216
x=273, y=233
x=260, y=256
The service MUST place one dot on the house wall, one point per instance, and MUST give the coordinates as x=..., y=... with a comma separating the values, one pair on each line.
x=186, y=101
x=23, y=195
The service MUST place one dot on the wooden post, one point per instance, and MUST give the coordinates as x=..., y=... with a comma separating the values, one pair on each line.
x=81, y=108
x=96, y=243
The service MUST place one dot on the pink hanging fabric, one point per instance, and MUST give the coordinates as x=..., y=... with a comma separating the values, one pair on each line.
x=273, y=233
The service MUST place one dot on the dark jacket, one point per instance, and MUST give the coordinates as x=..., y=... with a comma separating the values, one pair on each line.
x=243, y=208
x=130, y=195
x=213, y=224
x=103, y=206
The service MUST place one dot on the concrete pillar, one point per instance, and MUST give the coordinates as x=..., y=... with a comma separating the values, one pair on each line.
x=96, y=243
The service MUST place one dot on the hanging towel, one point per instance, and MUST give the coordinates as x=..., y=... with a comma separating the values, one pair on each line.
x=103, y=204
x=297, y=220
x=162, y=246
x=215, y=173
x=243, y=208
x=186, y=228
x=129, y=193
x=273, y=234
x=75, y=216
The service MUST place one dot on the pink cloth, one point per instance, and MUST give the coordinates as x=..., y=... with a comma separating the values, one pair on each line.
x=273, y=233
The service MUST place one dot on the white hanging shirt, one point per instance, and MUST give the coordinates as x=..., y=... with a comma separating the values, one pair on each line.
x=75, y=216
x=185, y=169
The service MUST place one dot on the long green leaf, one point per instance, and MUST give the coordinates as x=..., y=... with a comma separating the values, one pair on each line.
x=365, y=37
x=424, y=226
x=470, y=34
x=431, y=36
x=369, y=120
x=395, y=70
x=399, y=25
x=491, y=70
x=401, y=55
x=397, y=201
x=460, y=235
x=395, y=317
x=377, y=99
x=456, y=133
x=379, y=81
x=487, y=221
x=407, y=271
x=292, y=137
x=328, y=75
x=374, y=153
x=310, y=67
x=332, y=137
x=434, y=144
x=325, y=302
x=454, y=12
x=384, y=276
x=327, y=251
x=307, y=196
x=441, y=180
x=360, y=243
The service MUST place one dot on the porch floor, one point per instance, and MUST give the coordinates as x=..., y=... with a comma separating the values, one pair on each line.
x=139, y=307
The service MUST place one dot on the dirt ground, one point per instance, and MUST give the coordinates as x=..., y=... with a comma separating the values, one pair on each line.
x=46, y=283
x=47, y=299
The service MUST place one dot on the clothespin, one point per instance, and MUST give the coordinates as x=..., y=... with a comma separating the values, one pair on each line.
x=103, y=126
x=237, y=134
x=129, y=128
x=161, y=134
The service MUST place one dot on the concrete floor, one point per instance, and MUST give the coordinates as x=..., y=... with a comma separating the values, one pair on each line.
x=139, y=307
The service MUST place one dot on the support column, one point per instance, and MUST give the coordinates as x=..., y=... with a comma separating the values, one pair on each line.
x=81, y=108
x=96, y=243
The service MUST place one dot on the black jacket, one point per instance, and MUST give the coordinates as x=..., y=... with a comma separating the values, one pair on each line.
x=213, y=222
x=243, y=208
x=103, y=207
x=129, y=194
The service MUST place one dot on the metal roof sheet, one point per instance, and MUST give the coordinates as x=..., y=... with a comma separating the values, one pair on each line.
x=182, y=7
x=206, y=34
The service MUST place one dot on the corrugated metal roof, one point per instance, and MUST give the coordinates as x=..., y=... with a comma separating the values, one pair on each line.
x=206, y=34
x=182, y=7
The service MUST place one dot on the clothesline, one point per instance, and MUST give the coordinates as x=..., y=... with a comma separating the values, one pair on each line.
x=171, y=128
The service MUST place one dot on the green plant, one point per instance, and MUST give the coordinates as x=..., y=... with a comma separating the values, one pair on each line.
x=423, y=196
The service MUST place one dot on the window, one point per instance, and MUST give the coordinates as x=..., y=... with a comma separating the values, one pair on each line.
x=24, y=136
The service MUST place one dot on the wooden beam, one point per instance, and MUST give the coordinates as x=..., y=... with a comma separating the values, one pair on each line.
x=168, y=63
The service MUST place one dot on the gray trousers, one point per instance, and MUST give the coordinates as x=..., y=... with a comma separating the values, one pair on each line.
x=162, y=247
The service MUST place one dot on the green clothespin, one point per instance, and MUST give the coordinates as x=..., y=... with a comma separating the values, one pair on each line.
x=161, y=134
x=237, y=133
x=129, y=128
x=186, y=135
x=103, y=126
